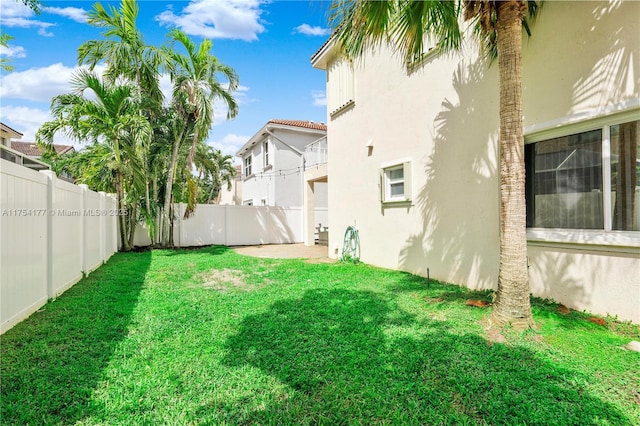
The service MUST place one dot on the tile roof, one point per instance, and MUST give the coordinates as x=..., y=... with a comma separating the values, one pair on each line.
x=30, y=149
x=301, y=123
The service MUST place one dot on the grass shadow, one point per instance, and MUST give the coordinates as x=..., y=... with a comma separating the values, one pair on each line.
x=355, y=357
x=52, y=361
x=214, y=250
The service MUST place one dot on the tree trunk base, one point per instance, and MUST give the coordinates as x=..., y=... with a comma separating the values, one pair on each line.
x=498, y=320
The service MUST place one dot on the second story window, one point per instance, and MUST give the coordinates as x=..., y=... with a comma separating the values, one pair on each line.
x=265, y=149
x=247, y=166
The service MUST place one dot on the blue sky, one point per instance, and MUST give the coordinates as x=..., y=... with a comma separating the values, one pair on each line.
x=268, y=43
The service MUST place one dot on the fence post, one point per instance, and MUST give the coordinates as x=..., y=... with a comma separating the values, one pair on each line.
x=103, y=218
x=83, y=233
x=51, y=186
x=226, y=224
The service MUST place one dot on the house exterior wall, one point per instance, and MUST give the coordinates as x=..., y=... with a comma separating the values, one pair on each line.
x=6, y=135
x=442, y=118
x=281, y=182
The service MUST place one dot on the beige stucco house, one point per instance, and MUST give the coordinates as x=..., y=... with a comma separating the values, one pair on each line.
x=416, y=154
x=10, y=149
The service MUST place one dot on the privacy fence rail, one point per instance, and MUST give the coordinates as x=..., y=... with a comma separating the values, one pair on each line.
x=51, y=233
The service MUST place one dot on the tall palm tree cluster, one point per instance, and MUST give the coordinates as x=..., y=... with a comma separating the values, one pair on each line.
x=149, y=152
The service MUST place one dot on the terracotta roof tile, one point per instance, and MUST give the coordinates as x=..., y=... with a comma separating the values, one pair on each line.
x=30, y=149
x=301, y=123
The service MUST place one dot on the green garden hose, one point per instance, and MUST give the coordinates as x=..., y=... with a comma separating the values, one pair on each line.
x=351, y=245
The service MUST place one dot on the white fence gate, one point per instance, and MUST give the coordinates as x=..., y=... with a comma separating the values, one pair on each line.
x=51, y=232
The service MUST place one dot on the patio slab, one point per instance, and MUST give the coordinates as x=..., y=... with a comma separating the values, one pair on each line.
x=285, y=251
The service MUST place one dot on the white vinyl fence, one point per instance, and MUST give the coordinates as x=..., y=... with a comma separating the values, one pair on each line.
x=232, y=225
x=51, y=232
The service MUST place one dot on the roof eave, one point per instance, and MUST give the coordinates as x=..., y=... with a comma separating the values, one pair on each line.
x=9, y=130
x=323, y=56
x=252, y=141
x=273, y=126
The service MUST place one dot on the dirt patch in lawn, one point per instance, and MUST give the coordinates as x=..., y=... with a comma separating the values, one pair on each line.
x=225, y=279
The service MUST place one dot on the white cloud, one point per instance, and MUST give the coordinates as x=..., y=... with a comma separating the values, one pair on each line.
x=319, y=98
x=28, y=120
x=307, y=29
x=43, y=32
x=230, y=19
x=230, y=143
x=74, y=13
x=13, y=51
x=38, y=84
x=16, y=14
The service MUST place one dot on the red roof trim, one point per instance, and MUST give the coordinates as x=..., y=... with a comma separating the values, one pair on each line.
x=300, y=123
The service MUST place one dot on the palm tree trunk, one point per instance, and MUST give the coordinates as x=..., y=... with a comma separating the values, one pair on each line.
x=512, y=303
x=213, y=187
x=124, y=241
x=168, y=213
x=133, y=221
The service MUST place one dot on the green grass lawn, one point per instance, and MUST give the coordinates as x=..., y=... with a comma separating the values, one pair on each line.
x=212, y=337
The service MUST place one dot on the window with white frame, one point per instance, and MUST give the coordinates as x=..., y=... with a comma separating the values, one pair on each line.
x=585, y=180
x=247, y=166
x=340, y=86
x=395, y=183
x=265, y=153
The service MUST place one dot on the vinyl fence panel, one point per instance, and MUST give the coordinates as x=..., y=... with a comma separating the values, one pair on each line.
x=51, y=232
x=23, y=232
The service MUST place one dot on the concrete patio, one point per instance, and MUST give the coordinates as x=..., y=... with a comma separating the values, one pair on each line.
x=285, y=251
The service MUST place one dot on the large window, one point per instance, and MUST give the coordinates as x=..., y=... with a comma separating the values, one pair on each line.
x=395, y=183
x=587, y=180
x=625, y=177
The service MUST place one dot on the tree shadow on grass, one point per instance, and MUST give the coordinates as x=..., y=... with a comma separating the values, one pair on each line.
x=52, y=362
x=214, y=250
x=352, y=357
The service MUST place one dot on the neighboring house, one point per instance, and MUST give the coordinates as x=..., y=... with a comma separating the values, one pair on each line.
x=30, y=149
x=9, y=149
x=414, y=158
x=232, y=196
x=275, y=164
x=6, y=134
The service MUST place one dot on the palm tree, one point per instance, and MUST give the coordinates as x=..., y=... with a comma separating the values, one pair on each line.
x=214, y=167
x=225, y=175
x=4, y=62
x=127, y=56
x=195, y=89
x=112, y=122
x=123, y=49
x=404, y=25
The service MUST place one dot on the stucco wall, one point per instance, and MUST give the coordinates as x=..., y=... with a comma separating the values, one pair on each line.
x=580, y=63
x=281, y=183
